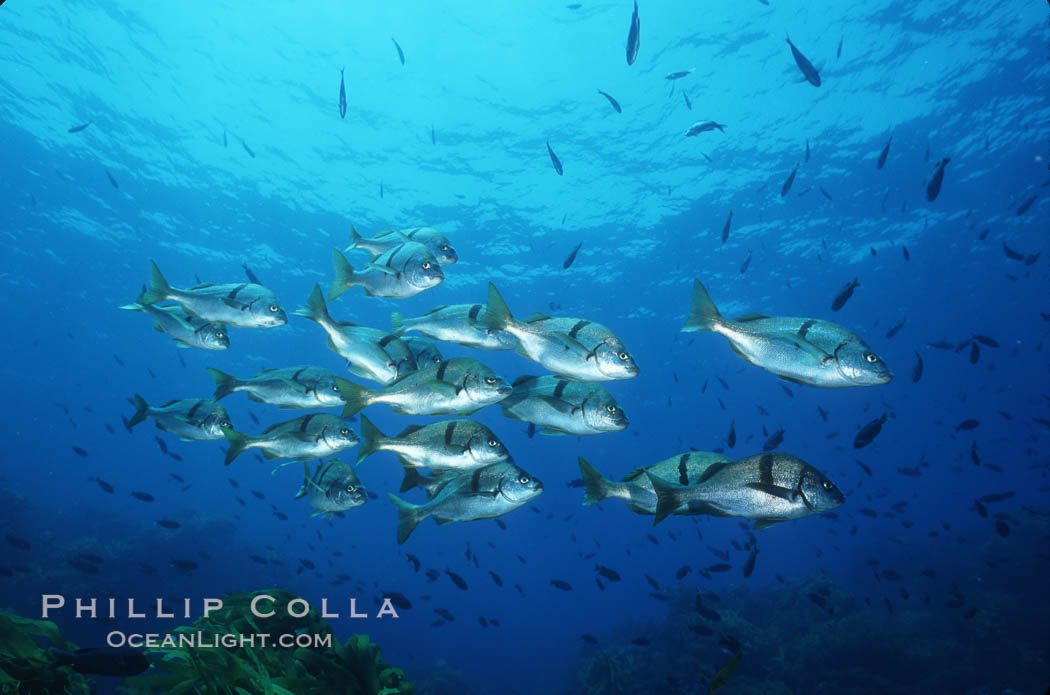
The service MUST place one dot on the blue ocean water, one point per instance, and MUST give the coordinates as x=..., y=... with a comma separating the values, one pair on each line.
x=215, y=140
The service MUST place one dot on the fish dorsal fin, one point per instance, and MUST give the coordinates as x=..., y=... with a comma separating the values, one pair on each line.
x=203, y=285
x=409, y=430
x=523, y=379
x=534, y=317
x=711, y=471
x=435, y=309
x=272, y=427
x=634, y=475
x=750, y=316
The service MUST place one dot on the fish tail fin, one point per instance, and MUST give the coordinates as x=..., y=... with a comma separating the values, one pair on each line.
x=224, y=383
x=703, y=314
x=497, y=314
x=344, y=275
x=667, y=497
x=371, y=440
x=355, y=238
x=137, y=305
x=306, y=481
x=408, y=517
x=397, y=323
x=357, y=397
x=141, y=410
x=594, y=489
x=413, y=478
x=158, y=287
x=238, y=443
x=315, y=308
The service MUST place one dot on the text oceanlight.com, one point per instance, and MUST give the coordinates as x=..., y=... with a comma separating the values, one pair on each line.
x=202, y=640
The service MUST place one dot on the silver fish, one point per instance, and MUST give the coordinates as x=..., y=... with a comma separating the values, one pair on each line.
x=634, y=36
x=403, y=271
x=456, y=386
x=246, y=305
x=801, y=350
x=301, y=388
x=357, y=344
x=335, y=487
x=455, y=324
x=312, y=436
x=435, y=241
x=194, y=419
x=460, y=444
x=769, y=488
x=703, y=127
x=424, y=352
x=574, y=348
x=637, y=490
x=485, y=493
x=184, y=328
x=561, y=406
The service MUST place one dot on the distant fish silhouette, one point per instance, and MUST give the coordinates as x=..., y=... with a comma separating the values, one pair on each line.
x=111, y=179
x=554, y=159
x=247, y=149
x=634, y=36
x=342, y=94
x=810, y=72
x=615, y=104
x=78, y=128
x=572, y=256
x=400, y=53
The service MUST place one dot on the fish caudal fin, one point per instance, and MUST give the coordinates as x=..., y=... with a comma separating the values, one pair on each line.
x=357, y=397
x=397, y=324
x=667, y=497
x=371, y=439
x=225, y=384
x=344, y=275
x=355, y=238
x=158, y=286
x=138, y=304
x=141, y=410
x=238, y=443
x=408, y=517
x=315, y=308
x=497, y=314
x=703, y=314
x=594, y=489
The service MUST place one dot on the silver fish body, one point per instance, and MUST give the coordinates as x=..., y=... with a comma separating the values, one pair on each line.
x=768, y=488
x=460, y=444
x=184, y=328
x=573, y=348
x=456, y=324
x=403, y=271
x=435, y=241
x=484, y=493
x=302, y=388
x=333, y=488
x=703, y=127
x=424, y=352
x=244, y=305
x=561, y=406
x=802, y=350
x=455, y=386
x=187, y=418
x=312, y=436
x=636, y=489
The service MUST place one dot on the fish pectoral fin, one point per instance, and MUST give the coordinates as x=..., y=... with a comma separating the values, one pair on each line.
x=766, y=523
x=784, y=493
x=443, y=388
x=294, y=384
x=383, y=269
x=571, y=343
x=793, y=380
x=305, y=437
x=806, y=347
x=552, y=431
x=558, y=404
x=442, y=520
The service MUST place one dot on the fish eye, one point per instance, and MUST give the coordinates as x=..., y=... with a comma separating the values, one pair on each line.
x=828, y=485
x=274, y=308
x=611, y=408
x=493, y=443
x=225, y=423
x=335, y=387
x=523, y=479
x=351, y=487
x=446, y=247
x=220, y=334
x=344, y=431
x=624, y=356
x=426, y=265
x=871, y=357
x=490, y=380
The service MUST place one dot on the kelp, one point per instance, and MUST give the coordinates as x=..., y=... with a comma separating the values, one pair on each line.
x=355, y=667
x=27, y=665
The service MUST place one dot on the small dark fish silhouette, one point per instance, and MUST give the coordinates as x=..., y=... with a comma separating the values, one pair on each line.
x=104, y=485
x=589, y=639
x=844, y=294
x=251, y=276
x=78, y=128
x=1011, y=254
x=400, y=53
x=825, y=193
x=634, y=36
x=342, y=95
x=896, y=328
x=746, y=263
x=774, y=440
x=20, y=543
x=866, y=469
x=731, y=437
x=572, y=256
x=111, y=179
x=838, y=53
x=80, y=451
x=726, y=226
x=807, y=151
x=810, y=72
x=1021, y=210
x=749, y=566
x=456, y=579
x=933, y=187
x=688, y=104
x=985, y=340
x=916, y=370
x=885, y=152
x=615, y=104
x=247, y=149
x=967, y=425
x=433, y=136
x=787, y=182
x=559, y=584
x=554, y=159
x=904, y=252
x=168, y=523
x=869, y=432
x=380, y=189
x=144, y=496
